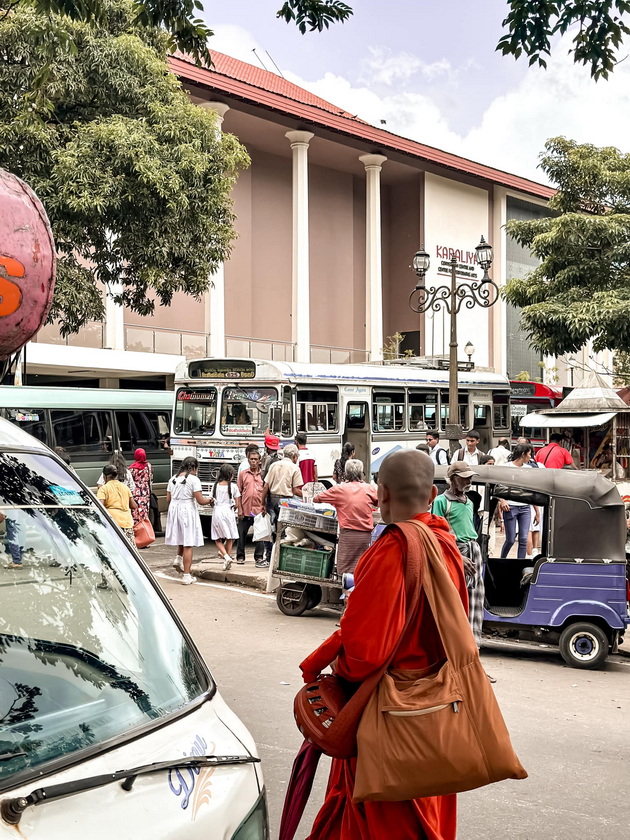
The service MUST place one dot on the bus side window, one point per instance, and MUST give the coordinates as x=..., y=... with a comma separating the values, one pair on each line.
x=501, y=411
x=318, y=411
x=287, y=411
x=389, y=411
x=422, y=410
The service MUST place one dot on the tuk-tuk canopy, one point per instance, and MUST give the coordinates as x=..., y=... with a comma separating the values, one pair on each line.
x=586, y=517
x=584, y=485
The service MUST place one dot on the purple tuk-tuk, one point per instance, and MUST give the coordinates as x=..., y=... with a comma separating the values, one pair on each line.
x=574, y=592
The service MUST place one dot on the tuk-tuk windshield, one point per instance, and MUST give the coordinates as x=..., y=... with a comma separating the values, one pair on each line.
x=88, y=651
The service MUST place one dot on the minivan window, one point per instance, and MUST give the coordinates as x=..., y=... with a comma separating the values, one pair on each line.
x=88, y=651
x=83, y=432
x=31, y=420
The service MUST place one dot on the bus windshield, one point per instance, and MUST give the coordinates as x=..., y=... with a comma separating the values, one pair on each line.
x=88, y=651
x=195, y=411
x=245, y=411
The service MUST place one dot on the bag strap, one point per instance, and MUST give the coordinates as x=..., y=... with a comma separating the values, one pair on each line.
x=443, y=598
x=349, y=715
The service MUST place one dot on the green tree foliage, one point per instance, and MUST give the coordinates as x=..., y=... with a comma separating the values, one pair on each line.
x=597, y=26
x=135, y=178
x=581, y=289
x=314, y=15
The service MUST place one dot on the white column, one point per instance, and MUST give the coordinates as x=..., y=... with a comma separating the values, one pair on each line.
x=373, y=261
x=114, y=320
x=301, y=317
x=215, y=299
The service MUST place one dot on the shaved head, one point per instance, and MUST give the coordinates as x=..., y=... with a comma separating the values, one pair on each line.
x=405, y=482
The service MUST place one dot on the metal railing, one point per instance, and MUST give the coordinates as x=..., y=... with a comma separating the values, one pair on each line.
x=91, y=335
x=145, y=339
x=192, y=345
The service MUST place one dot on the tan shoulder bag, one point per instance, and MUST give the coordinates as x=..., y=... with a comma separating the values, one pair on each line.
x=439, y=731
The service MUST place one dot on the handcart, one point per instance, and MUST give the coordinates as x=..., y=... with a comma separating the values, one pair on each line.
x=305, y=577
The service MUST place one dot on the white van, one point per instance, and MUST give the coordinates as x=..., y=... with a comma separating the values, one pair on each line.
x=111, y=725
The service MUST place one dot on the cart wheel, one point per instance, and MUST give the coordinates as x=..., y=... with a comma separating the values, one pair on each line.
x=584, y=645
x=292, y=598
x=314, y=594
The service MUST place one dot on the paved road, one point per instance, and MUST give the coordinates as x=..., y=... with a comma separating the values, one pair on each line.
x=571, y=728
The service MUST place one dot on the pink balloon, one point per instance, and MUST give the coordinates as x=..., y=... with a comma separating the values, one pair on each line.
x=27, y=264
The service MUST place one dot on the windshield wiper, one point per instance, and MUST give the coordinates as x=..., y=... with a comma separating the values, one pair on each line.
x=12, y=809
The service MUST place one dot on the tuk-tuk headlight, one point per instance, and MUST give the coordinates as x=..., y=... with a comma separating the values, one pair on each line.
x=255, y=826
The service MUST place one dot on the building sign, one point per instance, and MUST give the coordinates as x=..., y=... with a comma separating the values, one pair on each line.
x=222, y=369
x=466, y=268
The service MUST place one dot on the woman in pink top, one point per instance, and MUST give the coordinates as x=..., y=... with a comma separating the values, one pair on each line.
x=354, y=501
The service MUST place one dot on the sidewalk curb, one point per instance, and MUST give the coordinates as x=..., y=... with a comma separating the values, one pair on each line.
x=235, y=577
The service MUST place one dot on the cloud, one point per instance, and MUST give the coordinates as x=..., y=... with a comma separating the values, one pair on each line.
x=235, y=41
x=384, y=67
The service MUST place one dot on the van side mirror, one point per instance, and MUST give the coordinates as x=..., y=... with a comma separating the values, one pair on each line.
x=275, y=421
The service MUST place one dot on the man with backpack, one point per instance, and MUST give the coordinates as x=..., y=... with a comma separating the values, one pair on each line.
x=470, y=454
x=437, y=453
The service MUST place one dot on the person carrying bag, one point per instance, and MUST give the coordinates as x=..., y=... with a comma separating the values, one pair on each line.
x=437, y=731
x=390, y=644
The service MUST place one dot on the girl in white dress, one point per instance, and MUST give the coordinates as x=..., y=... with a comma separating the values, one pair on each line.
x=226, y=500
x=183, y=525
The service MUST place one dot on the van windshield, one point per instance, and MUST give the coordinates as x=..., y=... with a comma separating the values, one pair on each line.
x=88, y=651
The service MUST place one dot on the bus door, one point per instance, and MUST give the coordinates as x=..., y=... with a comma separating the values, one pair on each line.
x=357, y=431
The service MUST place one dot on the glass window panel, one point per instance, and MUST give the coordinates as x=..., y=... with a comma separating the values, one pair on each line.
x=195, y=411
x=83, y=433
x=389, y=411
x=32, y=420
x=245, y=410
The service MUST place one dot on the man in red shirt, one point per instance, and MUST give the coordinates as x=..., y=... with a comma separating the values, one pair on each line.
x=553, y=456
x=250, y=484
x=306, y=462
x=370, y=630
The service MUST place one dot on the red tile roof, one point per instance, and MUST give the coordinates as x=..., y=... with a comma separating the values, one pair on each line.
x=225, y=65
x=237, y=79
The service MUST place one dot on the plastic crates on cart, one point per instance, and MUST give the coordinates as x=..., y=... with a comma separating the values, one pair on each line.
x=306, y=519
x=305, y=561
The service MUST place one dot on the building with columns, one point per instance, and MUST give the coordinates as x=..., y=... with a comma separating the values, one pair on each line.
x=328, y=216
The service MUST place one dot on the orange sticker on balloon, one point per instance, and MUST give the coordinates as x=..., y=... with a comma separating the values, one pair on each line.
x=10, y=293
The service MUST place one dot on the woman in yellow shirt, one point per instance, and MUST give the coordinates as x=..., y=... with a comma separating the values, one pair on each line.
x=117, y=498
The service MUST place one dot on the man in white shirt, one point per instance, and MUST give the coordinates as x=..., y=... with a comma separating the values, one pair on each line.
x=470, y=453
x=501, y=453
x=437, y=453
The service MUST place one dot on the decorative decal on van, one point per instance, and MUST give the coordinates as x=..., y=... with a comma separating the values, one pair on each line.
x=193, y=784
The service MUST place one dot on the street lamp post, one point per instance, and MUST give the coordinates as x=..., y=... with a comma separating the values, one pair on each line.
x=482, y=292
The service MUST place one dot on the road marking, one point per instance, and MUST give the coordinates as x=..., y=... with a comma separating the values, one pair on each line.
x=219, y=586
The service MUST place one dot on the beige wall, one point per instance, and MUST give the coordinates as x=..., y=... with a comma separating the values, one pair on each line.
x=355, y=318
x=401, y=211
x=258, y=274
x=456, y=215
x=331, y=255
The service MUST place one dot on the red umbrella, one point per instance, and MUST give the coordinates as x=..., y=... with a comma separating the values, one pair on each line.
x=299, y=790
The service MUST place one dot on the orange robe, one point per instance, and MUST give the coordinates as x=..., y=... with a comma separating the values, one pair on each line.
x=370, y=629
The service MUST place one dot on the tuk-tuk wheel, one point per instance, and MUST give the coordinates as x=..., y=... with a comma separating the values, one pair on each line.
x=293, y=598
x=584, y=645
x=314, y=593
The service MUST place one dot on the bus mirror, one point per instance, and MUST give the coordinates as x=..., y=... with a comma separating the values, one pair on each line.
x=275, y=423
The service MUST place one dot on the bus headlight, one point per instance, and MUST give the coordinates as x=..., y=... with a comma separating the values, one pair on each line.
x=255, y=826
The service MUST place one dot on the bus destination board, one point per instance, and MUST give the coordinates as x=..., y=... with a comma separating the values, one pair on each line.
x=223, y=369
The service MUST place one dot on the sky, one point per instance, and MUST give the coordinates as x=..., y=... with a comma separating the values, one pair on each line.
x=429, y=68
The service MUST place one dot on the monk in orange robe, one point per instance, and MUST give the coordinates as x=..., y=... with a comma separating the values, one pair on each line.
x=370, y=630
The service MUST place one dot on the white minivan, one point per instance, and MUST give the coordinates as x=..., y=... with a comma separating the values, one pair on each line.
x=111, y=725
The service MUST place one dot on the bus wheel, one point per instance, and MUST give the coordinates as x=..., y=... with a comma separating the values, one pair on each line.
x=314, y=594
x=584, y=645
x=293, y=598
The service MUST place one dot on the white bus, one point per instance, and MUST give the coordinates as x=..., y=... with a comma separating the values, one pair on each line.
x=221, y=405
